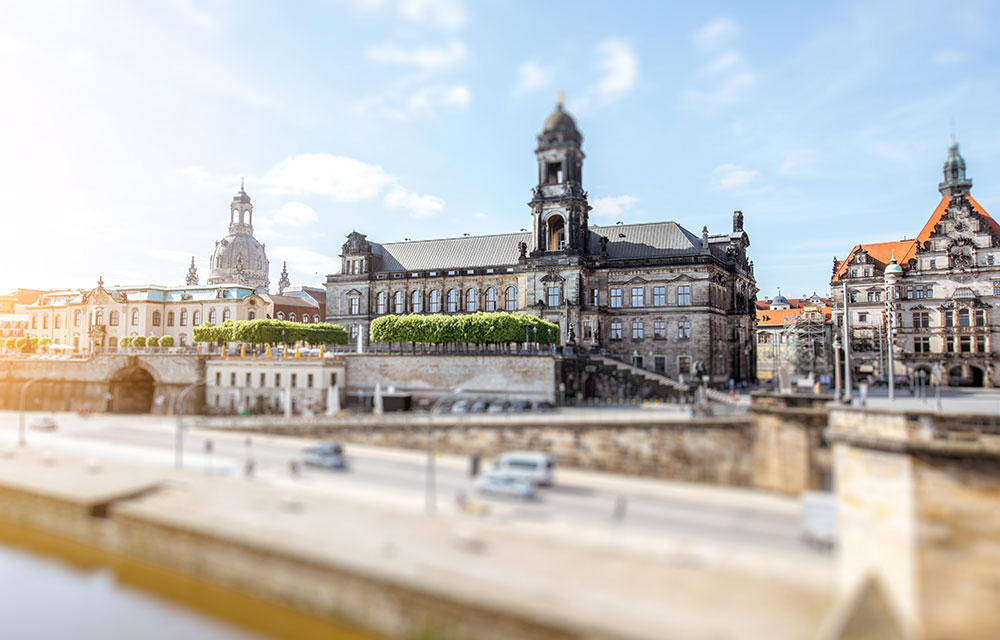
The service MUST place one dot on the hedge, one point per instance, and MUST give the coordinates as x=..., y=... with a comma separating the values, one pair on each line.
x=139, y=341
x=268, y=331
x=477, y=328
x=152, y=341
x=167, y=341
x=10, y=342
x=125, y=342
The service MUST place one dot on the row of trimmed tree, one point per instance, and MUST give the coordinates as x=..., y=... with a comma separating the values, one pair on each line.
x=146, y=341
x=268, y=331
x=22, y=343
x=475, y=328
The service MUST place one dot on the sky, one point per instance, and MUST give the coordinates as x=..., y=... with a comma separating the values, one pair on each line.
x=125, y=127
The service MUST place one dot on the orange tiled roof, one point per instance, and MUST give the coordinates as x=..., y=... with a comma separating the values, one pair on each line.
x=906, y=249
x=775, y=317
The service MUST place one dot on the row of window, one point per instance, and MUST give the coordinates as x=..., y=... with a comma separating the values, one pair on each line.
x=434, y=301
x=114, y=318
x=959, y=344
x=293, y=318
x=638, y=296
x=659, y=330
x=309, y=378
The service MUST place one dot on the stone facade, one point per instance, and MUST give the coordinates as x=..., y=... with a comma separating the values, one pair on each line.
x=262, y=385
x=652, y=294
x=98, y=319
x=239, y=258
x=939, y=292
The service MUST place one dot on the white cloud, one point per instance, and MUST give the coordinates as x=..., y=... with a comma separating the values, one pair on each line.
x=171, y=255
x=729, y=92
x=429, y=99
x=443, y=14
x=296, y=214
x=264, y=227
x=196, y=16
x=338, y=177
x=305, y=260
x=612, y=206
x=715, y=33
x=198, y=175
x=427, y=58
x=532, y=76
x=724, y=62
x=619, y=68
x=419, y=206
x=733, y=176
x=947, y=58
x=794, y=160
x=480, y=215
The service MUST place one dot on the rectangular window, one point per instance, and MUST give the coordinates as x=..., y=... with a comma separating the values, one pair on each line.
x=878, y=296
x=684, y=295
x=871, y=296
x=965, y=344
x=295, y=379
x=854, y=297
x=263, y=379
x=249, y=383
x=684, y=365
x=616, y=298
x=921, y=319
x=929, y=291
x=638, y=293
x=553, y=296
x=355, y=306
x=948, y=318
x=659, y=329
x=862, y=317
x=868, y=272
x=588, y=329
x=309, y=380
x=659, y=296
x=170, y=318
x=232, y=379
x=996, y=287
x=277, y=379
x=918, y=292
x=963, y=317
x=922, y=344
x=637, y=331
x=980, y=317
x=989, y=259
x=616, y=330
x=684, y=329
x=218, y=379
x=333, y=379
x=933, y=263
x=594, y=297
x=980, y=343
x=909, y=292
x=854, y=273
x=949, y=344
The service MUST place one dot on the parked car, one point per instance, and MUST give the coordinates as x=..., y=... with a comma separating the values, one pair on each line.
x=479, y=406
x=542, y=405
x=44, y=423
x=536, y=468
x=505, y=484
x=498, y=406
x=519, y=406
x=325, y=454
x=462, y=406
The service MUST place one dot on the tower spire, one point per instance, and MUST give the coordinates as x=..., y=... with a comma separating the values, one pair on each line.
x=192, y=276
x=955, y=183
x=283, y=282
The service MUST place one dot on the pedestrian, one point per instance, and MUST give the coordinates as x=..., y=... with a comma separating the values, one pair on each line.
x=474, y=465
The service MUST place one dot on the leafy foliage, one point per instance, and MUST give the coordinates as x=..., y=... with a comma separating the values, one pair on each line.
x=139, y=341
x=152, y=341
x=268, y=331
x=125, y=342
x=10, y=342
x=167, y=341
x=478, y=328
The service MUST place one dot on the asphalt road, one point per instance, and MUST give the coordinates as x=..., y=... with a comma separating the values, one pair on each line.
x=730, y=516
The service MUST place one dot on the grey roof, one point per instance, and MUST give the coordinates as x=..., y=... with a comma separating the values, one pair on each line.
x=644, y=240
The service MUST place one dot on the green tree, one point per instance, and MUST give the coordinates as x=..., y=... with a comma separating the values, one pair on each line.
x=139, y=341
x=125, y=342
x=167, y=341
x=152, y=341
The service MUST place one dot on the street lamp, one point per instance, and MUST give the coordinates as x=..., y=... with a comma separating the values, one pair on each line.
x=21, y=436
x=179, y=409
x=430, y=498
x=836, y=366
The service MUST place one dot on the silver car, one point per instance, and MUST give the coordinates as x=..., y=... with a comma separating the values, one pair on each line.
x=325, y=454
x=505, y=485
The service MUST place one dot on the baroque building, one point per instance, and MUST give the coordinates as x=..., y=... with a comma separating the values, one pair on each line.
x=938, y=293
x=655, y=294
x=239, y=258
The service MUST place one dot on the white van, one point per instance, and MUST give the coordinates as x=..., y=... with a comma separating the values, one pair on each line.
x=537, y=468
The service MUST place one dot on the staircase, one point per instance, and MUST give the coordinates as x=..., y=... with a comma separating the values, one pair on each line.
x=680, y=389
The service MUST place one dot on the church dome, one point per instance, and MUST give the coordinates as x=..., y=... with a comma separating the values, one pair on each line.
x=239, y=259
x=779, y=299
x=560, y=121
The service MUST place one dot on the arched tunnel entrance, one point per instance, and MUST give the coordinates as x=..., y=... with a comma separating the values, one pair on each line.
x=131, y=391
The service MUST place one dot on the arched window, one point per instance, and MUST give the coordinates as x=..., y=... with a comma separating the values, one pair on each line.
x=34, y=322
x=226, y=314
x=135, y=317
x=452, y=301
x=416, y=304
x=291, y=316
x=156, y=318
x=315, y=317
x=113, y=342
x=114, y=319
x=305, y=318
x=170, y=318
x=182, y=339
x=281, y=315
x=218, y=262
x=434, y=301
x=380, y=303
x=510, y=299
x=196, y=319
x=45, y=322
x=491, y=299
x=250, y=316
x=556, y=235
x=397, y=303
x=184, y=317
x=58, y=321
x=471, y=300
x=211, y=317
x=99, y=318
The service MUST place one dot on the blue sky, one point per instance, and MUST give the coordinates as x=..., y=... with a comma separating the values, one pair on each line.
x=126, y=126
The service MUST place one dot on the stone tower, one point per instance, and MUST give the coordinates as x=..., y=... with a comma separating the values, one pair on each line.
x=955, y=183
x=239, y=258
x=559, y=203
x=283, y=281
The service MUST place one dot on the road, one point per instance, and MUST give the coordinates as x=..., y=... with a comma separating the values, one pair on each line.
x=736, y=517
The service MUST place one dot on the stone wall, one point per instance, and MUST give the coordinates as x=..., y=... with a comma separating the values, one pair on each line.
x=85, y=383
x=527, y=377
x=711, y=450
x=790, y=454
x=918, y=499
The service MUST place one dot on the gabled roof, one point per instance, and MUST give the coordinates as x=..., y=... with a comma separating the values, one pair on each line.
x=626, y=241
x=778, y=317
x=925, y=233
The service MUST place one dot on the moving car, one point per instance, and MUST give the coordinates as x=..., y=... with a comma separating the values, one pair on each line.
x=505, y=485
x=44, y=423
x=536, y=468
x=325, y=454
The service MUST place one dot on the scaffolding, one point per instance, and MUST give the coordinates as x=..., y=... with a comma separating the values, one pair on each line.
x=807, y=347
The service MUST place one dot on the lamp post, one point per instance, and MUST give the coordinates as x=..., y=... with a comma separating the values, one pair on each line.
x=847, y=347
x=836, y=367
x=21, y=434
x=430, y=498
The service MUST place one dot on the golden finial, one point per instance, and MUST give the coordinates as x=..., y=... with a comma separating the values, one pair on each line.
x=559, y=99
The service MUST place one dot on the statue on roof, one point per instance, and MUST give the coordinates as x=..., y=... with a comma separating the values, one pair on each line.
x=192, y=276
